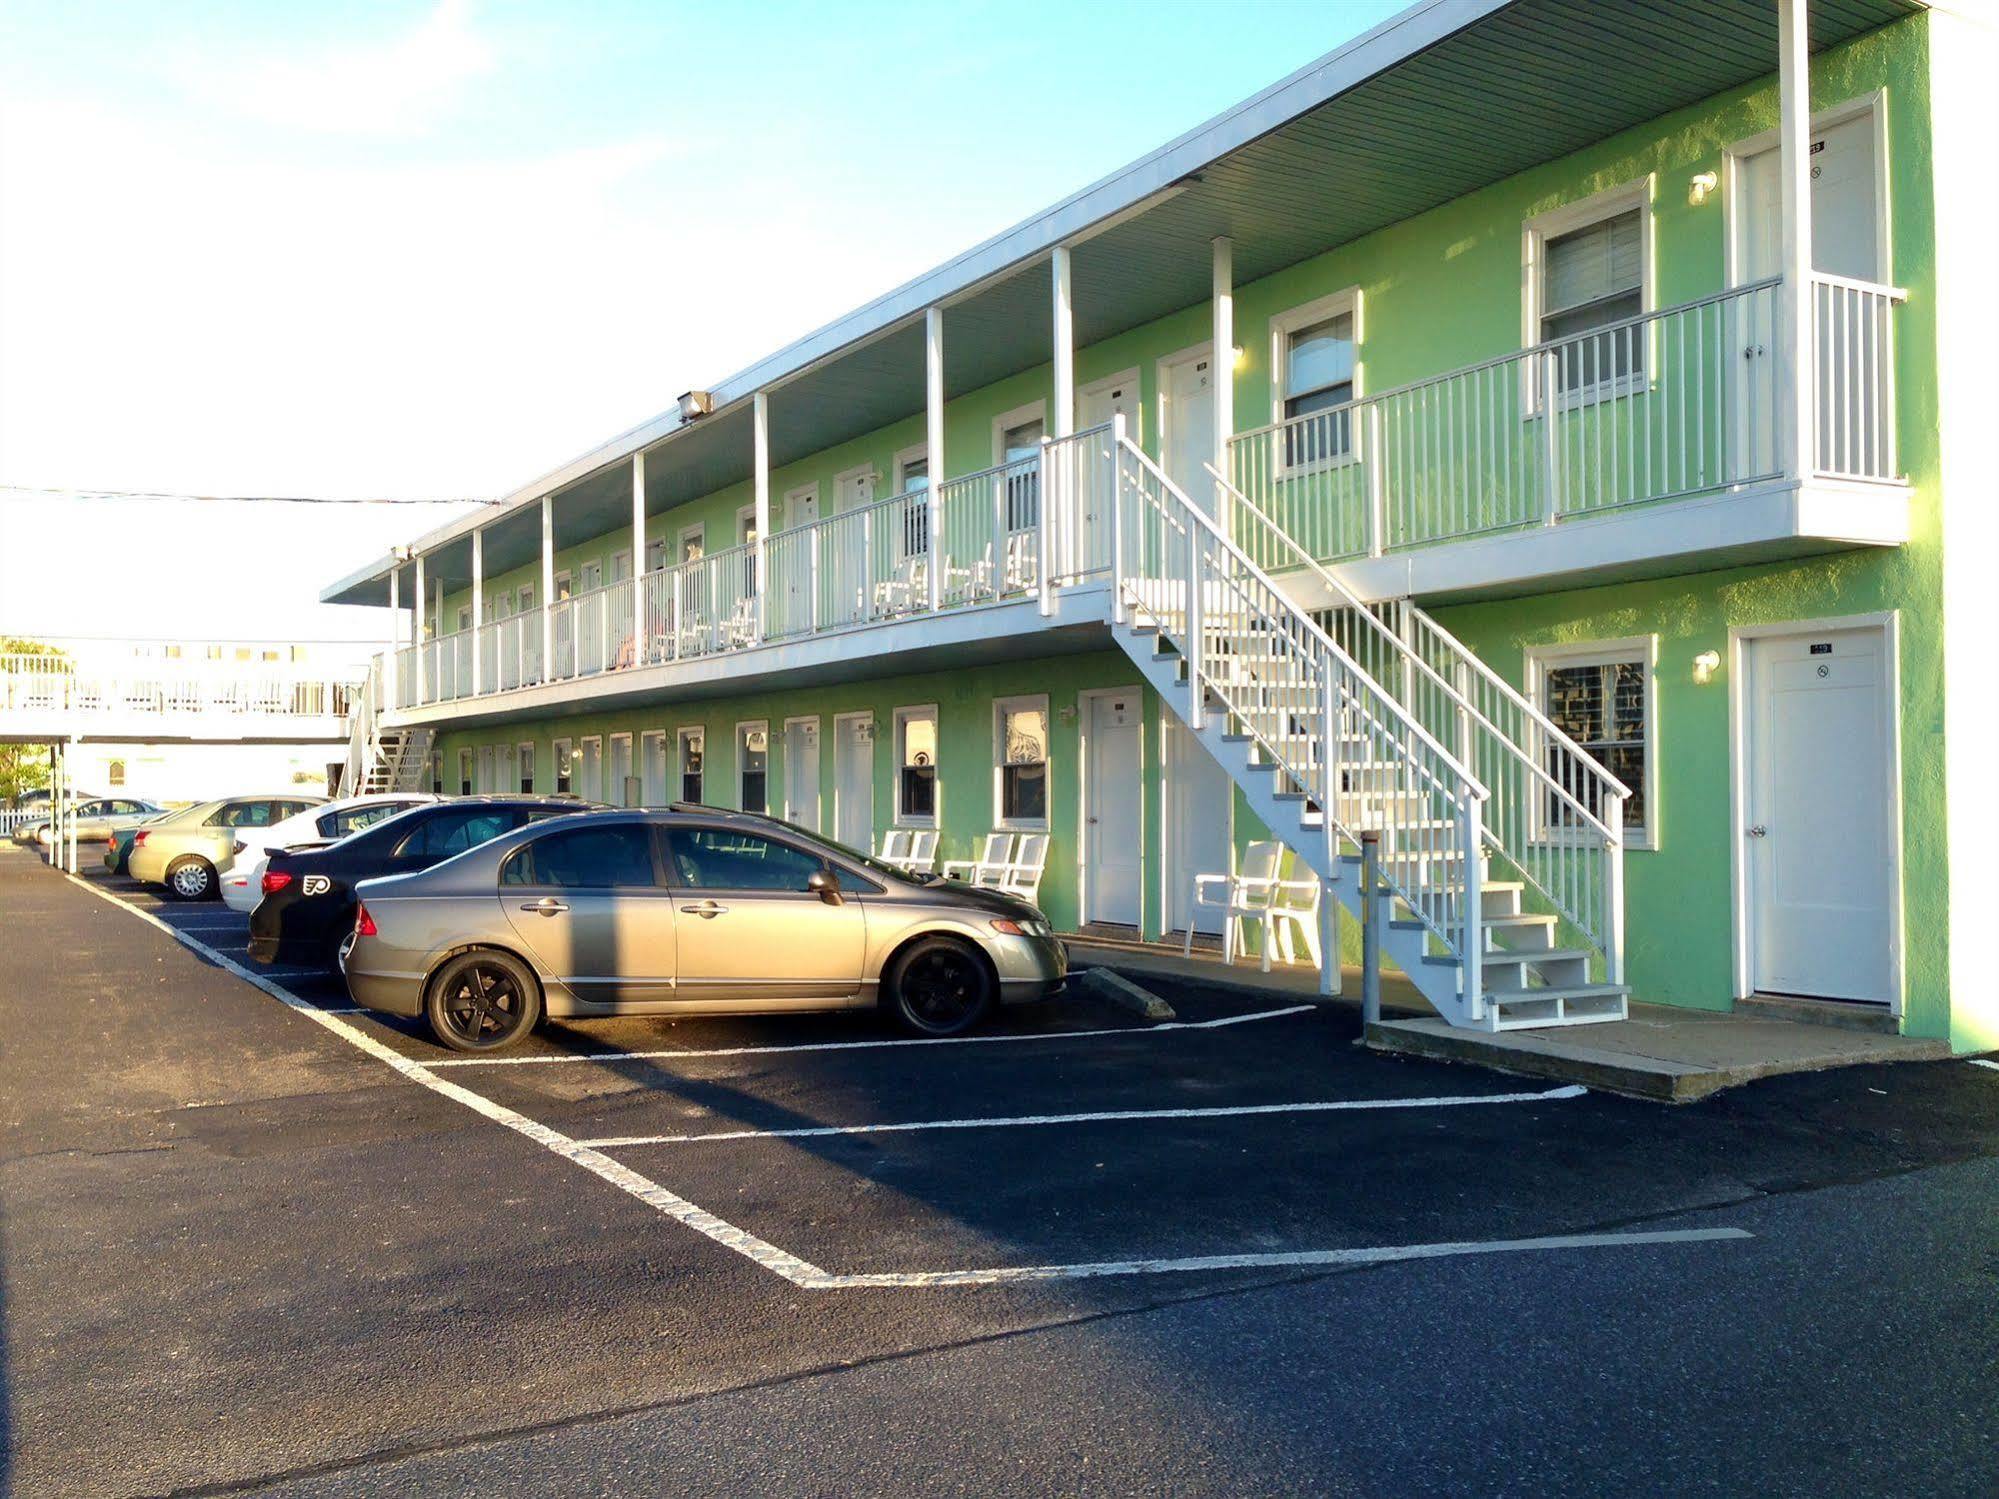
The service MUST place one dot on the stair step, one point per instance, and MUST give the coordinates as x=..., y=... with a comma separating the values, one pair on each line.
x=1589, y=1004
x=1500, y=957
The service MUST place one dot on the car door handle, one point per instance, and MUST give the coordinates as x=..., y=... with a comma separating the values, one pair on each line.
x=707, y=910
x=548, y=905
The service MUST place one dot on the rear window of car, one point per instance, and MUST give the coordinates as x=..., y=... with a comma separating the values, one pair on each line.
x=353, y=819
x=600, y=858
x=455, y=831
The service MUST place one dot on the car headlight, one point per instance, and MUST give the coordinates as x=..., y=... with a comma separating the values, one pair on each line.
x=1010, y=928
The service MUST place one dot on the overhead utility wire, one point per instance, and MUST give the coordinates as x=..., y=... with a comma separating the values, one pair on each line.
x=31, y=491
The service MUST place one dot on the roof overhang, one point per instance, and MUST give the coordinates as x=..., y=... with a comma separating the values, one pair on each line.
x=1440, y=100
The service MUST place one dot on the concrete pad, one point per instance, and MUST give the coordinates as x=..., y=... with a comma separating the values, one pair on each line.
x=1661, y=1052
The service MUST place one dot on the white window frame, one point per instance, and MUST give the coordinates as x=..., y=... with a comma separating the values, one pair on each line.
x=565, y=585
x=1553, y=224
x=700, y=534
x=1020, y=416
x=914, y=453
x=681, y=737
x=1282, y=326
x=561, y=750
x=746, y=520
x=1642, y=649
x=1001, y=707
x=524, y=762
x=743, y=728
x=902, y=717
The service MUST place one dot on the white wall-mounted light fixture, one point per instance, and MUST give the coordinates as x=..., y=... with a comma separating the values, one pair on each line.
x=1701, y=187
x=1706, y=664
x=695, y=404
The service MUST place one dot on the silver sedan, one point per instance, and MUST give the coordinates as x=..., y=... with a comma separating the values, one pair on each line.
x=689, y=911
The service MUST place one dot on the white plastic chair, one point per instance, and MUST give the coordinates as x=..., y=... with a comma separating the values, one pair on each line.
x=1022, y=877
x=895, y=847
x=922, y=855
x=1258, y=893
x=995, y=854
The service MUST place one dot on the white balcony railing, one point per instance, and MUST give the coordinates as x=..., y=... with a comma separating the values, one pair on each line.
x=46, y=685
x=1674, y=403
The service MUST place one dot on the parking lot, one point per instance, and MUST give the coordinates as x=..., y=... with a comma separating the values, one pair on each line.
x=230, y=1191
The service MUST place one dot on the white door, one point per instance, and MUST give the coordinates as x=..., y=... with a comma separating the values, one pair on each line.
x=801, y=772
x=1818, y=814
x=590, y=773
x=1198, y=800
x=652, y=768
x=619, y=792
x=1096, y=471
x=1846, y=241
x=1187, y=425
x=854, y=782
x=853, y=490
x=1112, y=835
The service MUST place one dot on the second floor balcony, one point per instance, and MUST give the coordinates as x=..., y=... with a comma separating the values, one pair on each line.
x=1639, y=446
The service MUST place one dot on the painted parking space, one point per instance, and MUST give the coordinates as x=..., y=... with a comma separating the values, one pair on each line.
x=817, y=1149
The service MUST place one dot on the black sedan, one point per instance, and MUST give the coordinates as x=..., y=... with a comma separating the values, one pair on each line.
x=307, y=911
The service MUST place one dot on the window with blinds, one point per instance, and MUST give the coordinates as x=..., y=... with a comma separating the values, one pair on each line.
x=1592, y=278
x=1318, y=377
x=1600, y=702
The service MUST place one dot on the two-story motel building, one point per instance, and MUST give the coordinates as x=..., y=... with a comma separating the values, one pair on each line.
x=1530, y=426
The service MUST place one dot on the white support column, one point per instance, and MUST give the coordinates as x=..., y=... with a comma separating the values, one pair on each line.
x=1797, y=372
x=1222, y=364
x=1062, y=419
x=933, y=406
x=548, y=588
x=479, y=610
x=639, y=558
x=760, y=414
x=395, y=636
x=422, y=620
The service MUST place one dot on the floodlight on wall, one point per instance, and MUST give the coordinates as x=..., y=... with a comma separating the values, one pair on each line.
x=1702, y=187
x=695, y=404
x=1706, y=664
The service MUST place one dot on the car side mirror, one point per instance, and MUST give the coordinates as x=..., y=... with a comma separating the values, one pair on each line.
x=823, y=885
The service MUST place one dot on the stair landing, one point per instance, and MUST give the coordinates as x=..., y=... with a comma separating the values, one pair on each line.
x=1661, y=1052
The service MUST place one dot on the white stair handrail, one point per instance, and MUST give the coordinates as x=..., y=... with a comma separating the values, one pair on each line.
x=1591, y=900
x=1287, y=682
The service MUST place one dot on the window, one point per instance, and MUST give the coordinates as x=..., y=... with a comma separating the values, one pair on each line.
x=465, y=772
x=526, y=762
x=353, y=819
x=691, y=743
x=912, y=477
x=452, y=832
x=1016, y=440
x=115, y=773
x=1590, y=269
x=753, y=766
x=691, y=549
x=916, y=766
x=1314, y=352
x=1020, y=735
x=562, y=767
x=617, y=857
x=1600, y=695
x=729, y=859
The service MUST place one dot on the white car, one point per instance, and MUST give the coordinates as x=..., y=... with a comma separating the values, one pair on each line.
x=243, y=879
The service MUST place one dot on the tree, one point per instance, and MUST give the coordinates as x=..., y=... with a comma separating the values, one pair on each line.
x=24, y=767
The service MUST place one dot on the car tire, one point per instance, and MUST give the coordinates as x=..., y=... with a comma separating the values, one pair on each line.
x=191, y=877
x=939, y=986
x=482, y=1000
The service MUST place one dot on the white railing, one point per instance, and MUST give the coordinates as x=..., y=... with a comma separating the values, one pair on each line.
x=991, y=522
x=1551, y=810
x=41, y=684
x=1334, y=733
x=1853, y=332
x=509, y=652
x=1673, y=403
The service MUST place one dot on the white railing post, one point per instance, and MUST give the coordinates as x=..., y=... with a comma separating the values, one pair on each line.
x=1612, y=807
x=1117, y=517
x=1191, y=647
x=547, y=588
x=638, y=558
x=1472, y=928
x=1376, y=459
x=1551, y=509
x=395, y=639
x=479, y=609
x=1044, y=503
x=933, y=452
x=1797, y=371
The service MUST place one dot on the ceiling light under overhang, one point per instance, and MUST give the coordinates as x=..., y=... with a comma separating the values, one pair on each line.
x=695, y=404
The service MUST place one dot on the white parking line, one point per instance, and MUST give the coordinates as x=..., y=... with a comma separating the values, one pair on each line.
x=1982, y=1062
x=753, y=1051
x=808, y=1276
x=1106, y=1116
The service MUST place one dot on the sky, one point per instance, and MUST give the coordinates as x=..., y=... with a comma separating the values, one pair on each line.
x=434, y=249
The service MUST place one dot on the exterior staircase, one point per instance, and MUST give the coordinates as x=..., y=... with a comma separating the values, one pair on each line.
x=1504, y=894
x=382, y=759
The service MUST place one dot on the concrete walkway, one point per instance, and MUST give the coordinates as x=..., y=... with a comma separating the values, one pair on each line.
x=1662, y=1052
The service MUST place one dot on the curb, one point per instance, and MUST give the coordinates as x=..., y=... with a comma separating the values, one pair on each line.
x=1123, y=993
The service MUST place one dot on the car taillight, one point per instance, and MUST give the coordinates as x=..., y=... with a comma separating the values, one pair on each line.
x=138, y=837
x=275, y=880
x=364, y=924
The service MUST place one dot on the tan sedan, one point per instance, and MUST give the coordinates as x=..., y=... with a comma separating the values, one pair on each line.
x=184, y=852
x=690, y=911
